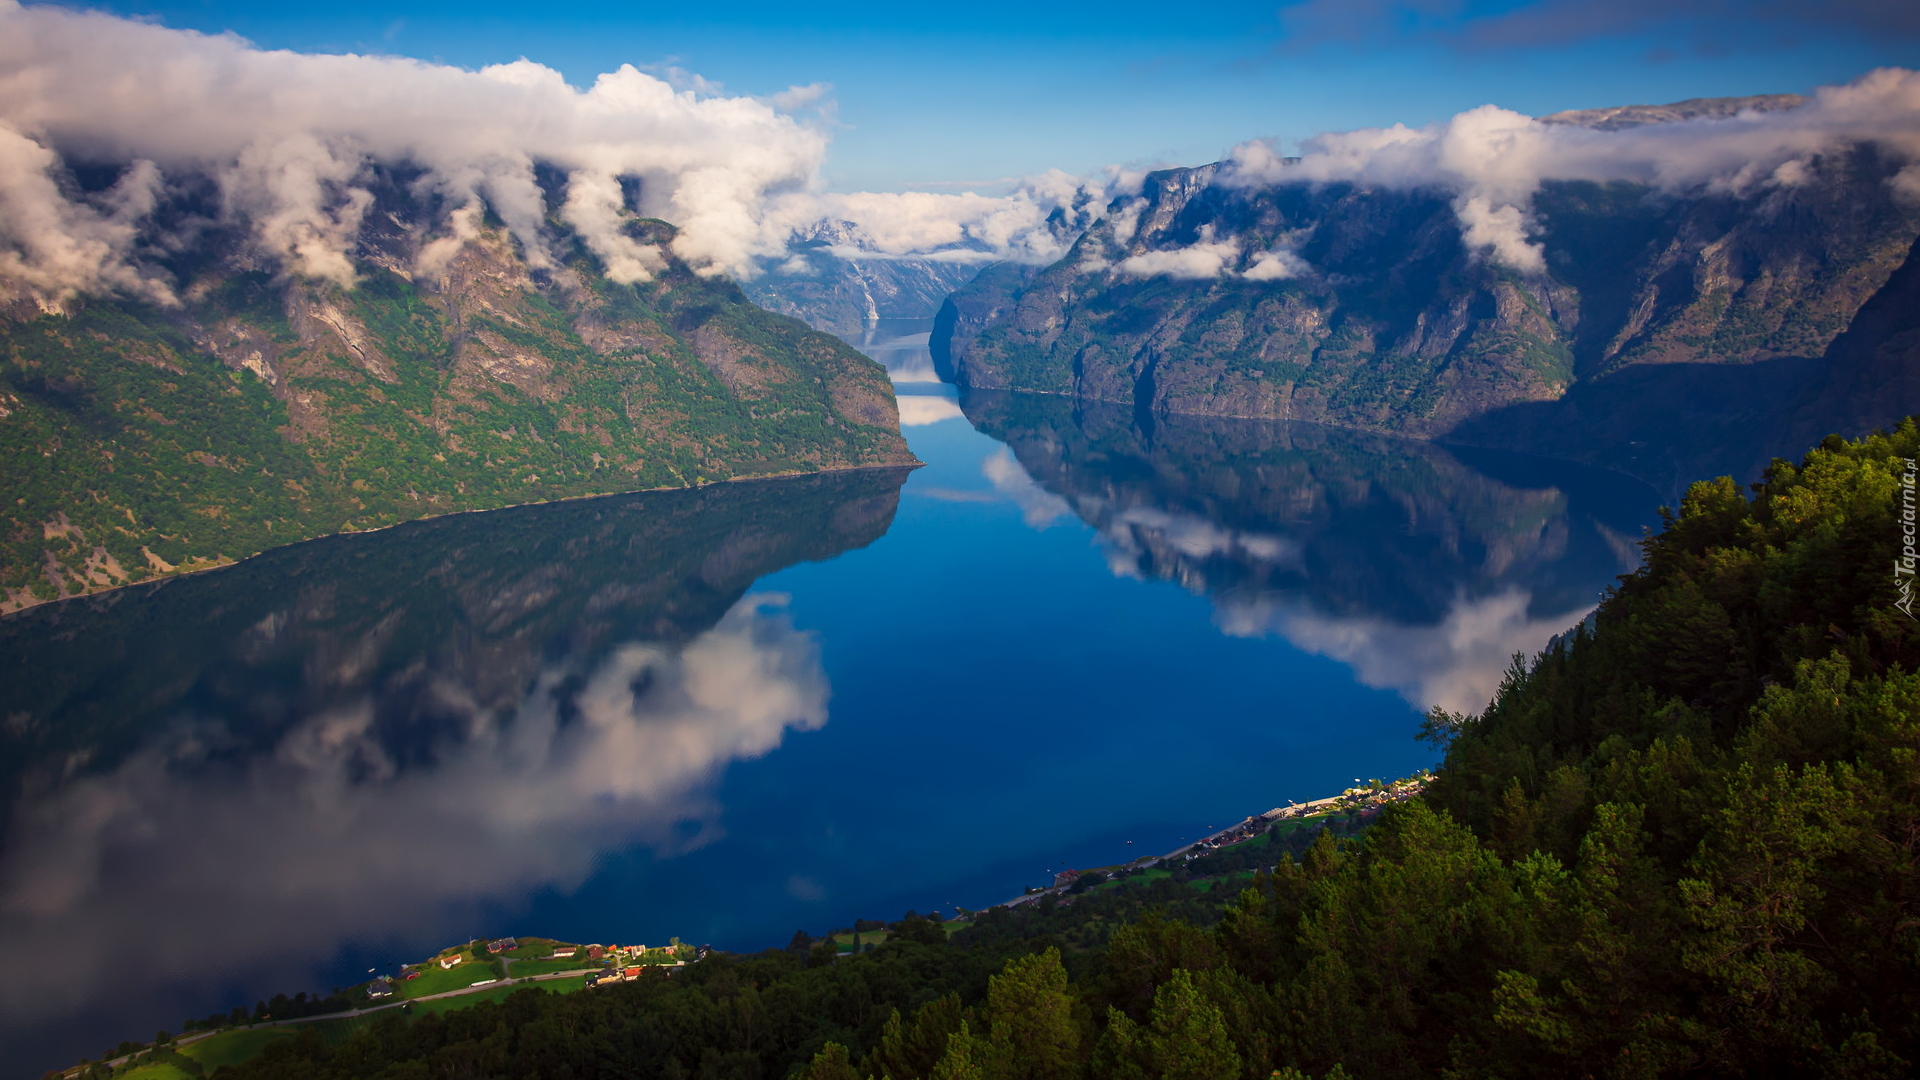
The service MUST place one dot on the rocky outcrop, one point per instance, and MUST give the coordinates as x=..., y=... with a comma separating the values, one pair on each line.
x=833, y=284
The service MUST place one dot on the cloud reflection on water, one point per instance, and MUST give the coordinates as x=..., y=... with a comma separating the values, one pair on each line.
x=919, y=410
x=330, y=836
x=236, y=783
x=1039, y=508
x=1457, y=664
x=1420, y=571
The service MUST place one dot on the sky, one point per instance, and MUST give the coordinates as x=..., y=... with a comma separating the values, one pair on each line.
x=962, y=97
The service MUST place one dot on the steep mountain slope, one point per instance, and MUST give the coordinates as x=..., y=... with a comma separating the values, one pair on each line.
x=831, y=284
x=138, y=439
x=1670, y=333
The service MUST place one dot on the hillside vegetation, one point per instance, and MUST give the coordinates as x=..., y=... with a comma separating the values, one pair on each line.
x=1681, y=842
x=138, y=440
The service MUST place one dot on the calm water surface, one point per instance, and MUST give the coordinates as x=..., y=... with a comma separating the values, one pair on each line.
x=731, y=713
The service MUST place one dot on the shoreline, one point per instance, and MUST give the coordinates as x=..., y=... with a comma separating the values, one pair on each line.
x=1247, y=829
x=178, y=575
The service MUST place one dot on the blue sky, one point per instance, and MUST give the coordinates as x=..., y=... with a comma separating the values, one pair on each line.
x=946, y=96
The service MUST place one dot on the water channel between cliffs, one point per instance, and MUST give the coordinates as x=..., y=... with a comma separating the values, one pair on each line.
x=730, y=713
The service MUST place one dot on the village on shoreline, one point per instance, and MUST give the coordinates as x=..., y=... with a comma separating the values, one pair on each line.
x=1362, y=800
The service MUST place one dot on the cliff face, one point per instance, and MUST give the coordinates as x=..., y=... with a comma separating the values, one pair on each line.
x=136, y=440
x=1666, y=335
x=830, y=286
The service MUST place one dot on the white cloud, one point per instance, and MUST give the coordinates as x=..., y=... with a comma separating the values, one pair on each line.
x=1493, y=159
x=1277, y=265
x=337, y=840
x=288, y=138
x=1205, y=258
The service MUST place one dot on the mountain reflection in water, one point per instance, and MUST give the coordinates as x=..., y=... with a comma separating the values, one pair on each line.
x=1424, y=568
x=229, y=775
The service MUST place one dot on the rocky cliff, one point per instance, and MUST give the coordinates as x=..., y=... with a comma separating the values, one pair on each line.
x=831, y=283
x=139, y=439
x=1666, y=332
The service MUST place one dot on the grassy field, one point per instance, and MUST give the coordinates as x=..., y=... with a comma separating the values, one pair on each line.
x=158, y=1071
x=233, y=1047
x=437, y=981
x=844, y=942
x=523, y=968
x=496, y=993
x=335, y=1032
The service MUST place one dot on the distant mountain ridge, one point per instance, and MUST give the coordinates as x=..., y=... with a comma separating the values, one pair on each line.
x=1619, y=117
x=1670, y=334
x=138, y=440
x=833, y=284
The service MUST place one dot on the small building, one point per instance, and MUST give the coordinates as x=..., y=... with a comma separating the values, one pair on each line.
x=633, y=973
x=379, y=988
x=502, y=945
x=449, y=961
x=564, y=954
x=596, y=952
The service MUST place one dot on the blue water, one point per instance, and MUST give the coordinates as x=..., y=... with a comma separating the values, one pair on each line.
x=727, y=715
x=1003, y=707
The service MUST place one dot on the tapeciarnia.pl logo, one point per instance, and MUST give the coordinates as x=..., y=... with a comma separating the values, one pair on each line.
x=1903, y=567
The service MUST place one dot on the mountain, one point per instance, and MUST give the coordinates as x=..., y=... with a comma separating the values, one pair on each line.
x=143, y=438
x=1619, y=117
x=1666, y=331
x=833, y=283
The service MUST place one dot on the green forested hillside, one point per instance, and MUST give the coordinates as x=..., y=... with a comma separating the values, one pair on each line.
x=136, y=440
x=1685, y=841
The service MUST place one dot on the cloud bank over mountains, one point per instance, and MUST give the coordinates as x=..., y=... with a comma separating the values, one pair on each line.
x=1493, y=160
x=290, y=140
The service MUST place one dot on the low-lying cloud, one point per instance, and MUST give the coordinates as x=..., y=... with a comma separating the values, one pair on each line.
x=1208, y=258
x=1493, y=160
